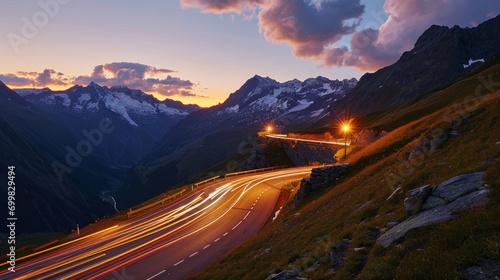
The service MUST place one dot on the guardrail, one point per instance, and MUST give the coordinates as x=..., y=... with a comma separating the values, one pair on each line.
x=255, y=170
x=285, y=137
x=168, y=198
x=195, y=185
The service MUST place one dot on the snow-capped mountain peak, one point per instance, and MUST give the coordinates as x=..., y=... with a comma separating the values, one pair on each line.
x=266, y=98
x=131, y=105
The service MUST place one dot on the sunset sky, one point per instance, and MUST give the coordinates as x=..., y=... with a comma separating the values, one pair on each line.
x=200, y=51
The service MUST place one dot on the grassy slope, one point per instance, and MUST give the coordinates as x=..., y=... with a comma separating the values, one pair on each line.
x=355, y=207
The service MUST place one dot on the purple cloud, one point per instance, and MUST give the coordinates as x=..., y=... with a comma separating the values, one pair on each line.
x=138, y=76
x=133, y=75
x=313, y=28
x=222, y=6
x=35, y=79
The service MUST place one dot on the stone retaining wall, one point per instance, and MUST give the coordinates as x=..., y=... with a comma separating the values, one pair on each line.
x=319, y=177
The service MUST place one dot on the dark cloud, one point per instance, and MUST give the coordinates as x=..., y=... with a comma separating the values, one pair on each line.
x=313, y=28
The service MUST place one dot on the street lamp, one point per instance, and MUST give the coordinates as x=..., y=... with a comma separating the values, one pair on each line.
x=269, y=129
x=345, y=128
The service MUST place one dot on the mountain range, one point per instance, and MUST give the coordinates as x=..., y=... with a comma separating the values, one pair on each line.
x=210, y=136
x=141, y=119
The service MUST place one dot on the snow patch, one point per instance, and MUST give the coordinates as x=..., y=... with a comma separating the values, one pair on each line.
x=116, y=106
x=316, y=113
x=233, y=109
x=28, y=91
x=303, y=104
x=472, y=62
x=276, y=214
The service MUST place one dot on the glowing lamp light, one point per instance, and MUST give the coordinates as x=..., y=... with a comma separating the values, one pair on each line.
x=345, y=127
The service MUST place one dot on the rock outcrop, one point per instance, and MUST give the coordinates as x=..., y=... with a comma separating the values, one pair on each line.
x=337, y=254
x=319, y=176
x=426, y=147
x=415, y=199
x=442, y=203
x=486, y=270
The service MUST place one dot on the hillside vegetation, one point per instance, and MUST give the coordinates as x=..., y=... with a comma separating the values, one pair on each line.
x=357, y=207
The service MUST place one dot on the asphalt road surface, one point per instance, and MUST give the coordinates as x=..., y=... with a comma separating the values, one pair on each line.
x=171, y=242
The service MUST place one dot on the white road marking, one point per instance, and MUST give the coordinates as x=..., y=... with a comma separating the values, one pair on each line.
x=237, y=224
x=251, y=208
x=225, y=233
x=157, y=274
x=216, y=239
x=179, y=263
x=206, y=247
x=247, y=215
x=193, y=254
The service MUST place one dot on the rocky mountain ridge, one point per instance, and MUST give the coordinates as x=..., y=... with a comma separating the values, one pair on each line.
x=440, y=55
x=140, y=119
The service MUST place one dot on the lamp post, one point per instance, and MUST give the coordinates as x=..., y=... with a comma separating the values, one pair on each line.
x=269, y=129
x=345, y=128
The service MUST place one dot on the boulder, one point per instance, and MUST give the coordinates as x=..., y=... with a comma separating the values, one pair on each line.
x=304, y=190
x=436, y=215
x=427, y=146
x=487, y=270
x=337, y=254
x=458, y=186
x=415, y=199
x=285, y=275
x=432, y=201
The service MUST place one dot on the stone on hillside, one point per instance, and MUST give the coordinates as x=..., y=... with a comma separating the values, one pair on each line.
x=337, y=254
x=285, y=275
x=415, y=199
x=487, y=270
x=436, y=215
x=427, y=146
x=432, y=201
x=304, y=190
x=391, y=224
x=459, y=186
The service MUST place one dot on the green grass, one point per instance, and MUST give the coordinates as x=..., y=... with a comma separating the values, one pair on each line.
x=356, y=206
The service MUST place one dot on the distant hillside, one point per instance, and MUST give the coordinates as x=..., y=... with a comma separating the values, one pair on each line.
x=50, y=194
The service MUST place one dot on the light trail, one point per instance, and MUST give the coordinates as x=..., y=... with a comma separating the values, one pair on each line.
x=103, y=252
